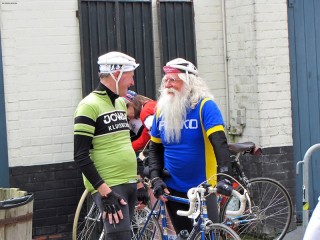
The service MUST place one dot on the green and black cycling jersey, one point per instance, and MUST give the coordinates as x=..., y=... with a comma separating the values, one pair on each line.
x=102, y=146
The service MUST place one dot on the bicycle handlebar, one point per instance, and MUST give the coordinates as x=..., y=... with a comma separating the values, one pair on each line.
x=193, y=193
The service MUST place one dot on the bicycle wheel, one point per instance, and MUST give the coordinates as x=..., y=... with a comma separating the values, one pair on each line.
x=271, y=211
x=218, y=231
x=152, y=229
x=87, y=223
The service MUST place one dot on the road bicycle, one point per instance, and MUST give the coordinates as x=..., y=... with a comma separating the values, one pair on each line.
x=145, y=224
x=203, y=228
x=270, y=213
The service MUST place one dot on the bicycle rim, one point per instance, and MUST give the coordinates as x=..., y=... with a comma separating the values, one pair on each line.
x=152, y=228
x=218, y=231
x=87, y=222
x=271, y=211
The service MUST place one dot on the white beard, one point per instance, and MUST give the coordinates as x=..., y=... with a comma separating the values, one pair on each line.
x=173, y=108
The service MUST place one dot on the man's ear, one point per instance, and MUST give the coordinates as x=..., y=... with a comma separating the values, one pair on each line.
x=116, y=74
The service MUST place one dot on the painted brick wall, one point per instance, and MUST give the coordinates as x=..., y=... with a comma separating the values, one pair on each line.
x=273, y=73
x=156, y=47
x=210, y=50
x=258, y=66
x=41, y=57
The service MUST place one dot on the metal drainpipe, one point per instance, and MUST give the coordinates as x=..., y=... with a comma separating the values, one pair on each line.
x=305, y=184
x=226, y=75
x=4, y=167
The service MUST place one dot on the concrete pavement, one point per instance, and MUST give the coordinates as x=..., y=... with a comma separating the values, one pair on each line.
x=296, y=234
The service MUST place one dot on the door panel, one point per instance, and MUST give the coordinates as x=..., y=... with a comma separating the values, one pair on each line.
x=304, y=39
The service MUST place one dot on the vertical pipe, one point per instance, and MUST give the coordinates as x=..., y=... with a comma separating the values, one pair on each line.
x=4, y=167
x=226, y=74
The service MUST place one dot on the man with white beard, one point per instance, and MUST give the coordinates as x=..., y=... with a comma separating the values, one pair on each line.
x=187, y=139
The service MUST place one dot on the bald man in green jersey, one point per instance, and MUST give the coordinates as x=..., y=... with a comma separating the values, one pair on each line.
x=102, y=146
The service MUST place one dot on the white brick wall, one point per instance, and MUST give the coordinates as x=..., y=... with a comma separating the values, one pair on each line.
x=41, y=58
x=257, y=37
x=42, y=72
x=273, y=69
x=210, y=51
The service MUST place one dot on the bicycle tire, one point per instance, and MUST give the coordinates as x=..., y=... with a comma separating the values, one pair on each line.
x=218, y=231
x=87, y=223
x=271, y=211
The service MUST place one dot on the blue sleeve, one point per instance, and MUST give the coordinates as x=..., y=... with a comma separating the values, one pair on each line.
x=211, y=115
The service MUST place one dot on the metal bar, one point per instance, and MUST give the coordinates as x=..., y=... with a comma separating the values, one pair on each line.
x=305, y=184
x=4, y=160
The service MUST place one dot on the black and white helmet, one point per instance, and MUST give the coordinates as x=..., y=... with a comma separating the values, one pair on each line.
x=180, y=64
x=113, y=61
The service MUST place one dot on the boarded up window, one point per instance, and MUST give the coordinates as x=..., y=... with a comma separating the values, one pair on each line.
x=176, y=30
x=124, y=26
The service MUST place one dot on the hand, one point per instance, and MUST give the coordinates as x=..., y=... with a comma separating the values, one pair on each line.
x=142, y=196
x=224, y=187
x=111, y=205
x=159, y=188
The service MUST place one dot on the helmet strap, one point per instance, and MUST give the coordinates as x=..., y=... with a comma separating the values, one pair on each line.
x=187, y=78
x=117, y=79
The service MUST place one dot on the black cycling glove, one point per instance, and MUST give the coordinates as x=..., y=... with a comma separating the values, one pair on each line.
x=111, y=202
x=158, y=186
x=142, y=195
x=224, y=187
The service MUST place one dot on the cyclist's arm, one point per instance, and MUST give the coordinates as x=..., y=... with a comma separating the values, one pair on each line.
x=156, y=151
x=140, y=143
x=82, y=158
x=213, y=124
x=219, y=143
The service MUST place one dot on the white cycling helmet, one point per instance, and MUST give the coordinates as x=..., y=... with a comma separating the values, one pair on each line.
x=113, y=61
x=180, y=65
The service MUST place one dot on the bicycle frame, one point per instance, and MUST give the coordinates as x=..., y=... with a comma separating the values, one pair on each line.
x=162, y=213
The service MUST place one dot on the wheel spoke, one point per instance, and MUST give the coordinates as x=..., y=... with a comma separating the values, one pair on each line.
x=271, y=211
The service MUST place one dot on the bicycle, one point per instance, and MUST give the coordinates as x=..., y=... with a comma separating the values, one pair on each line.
x=88, y=225
x=145, y=225
x=270, y=213
x=203, y=228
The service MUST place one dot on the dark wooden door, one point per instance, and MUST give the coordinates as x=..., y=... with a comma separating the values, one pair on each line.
x=124, y=26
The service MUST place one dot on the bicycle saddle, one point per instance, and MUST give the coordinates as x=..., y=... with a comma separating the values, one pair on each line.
x=249, y=147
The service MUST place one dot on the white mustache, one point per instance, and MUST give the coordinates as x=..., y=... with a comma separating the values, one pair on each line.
x=171, y=90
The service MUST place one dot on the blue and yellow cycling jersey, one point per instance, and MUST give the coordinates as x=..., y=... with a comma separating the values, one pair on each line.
x=192, y=160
